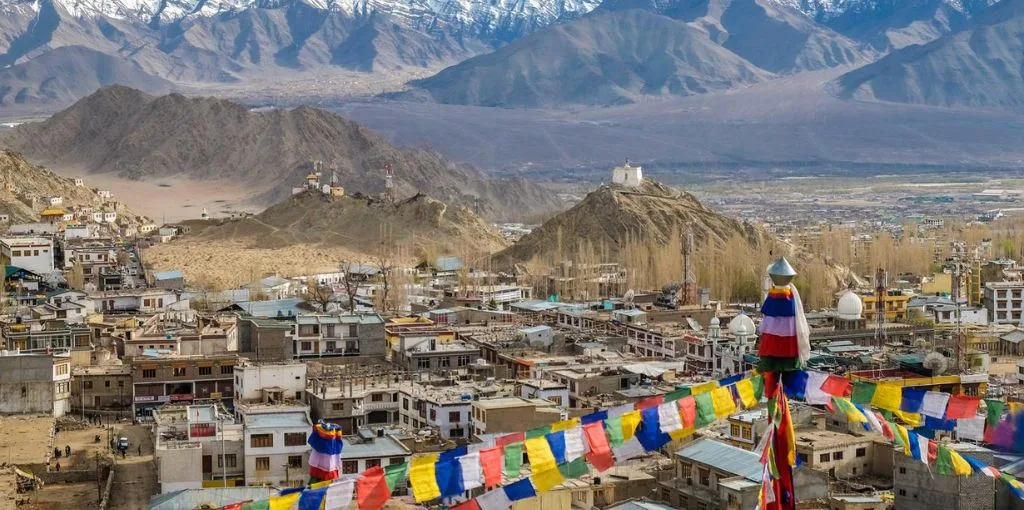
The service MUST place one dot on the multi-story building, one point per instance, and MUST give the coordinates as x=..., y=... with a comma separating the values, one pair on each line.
x=446, y=409
x=197, y=446
x=746, y=429
x=664, y=340
x=253, y=378
x=48, y=336
x=894, y=301
x=101, y=387
x=139, y=300
x=35, y=383
x=513, y=414
x=491, y=296
x=714, y=475
x=587, y=383
x=426, y=354
x=414, y=334
x=556, y=392
x=353, y=403
x=946, y=314
x=266, y=339
x=1004, y=301
x=370, y=448
x=31, y=253
x=916, y=486
x=843, y=455
x=276, y=452
x=318, y=336
x=157, y=380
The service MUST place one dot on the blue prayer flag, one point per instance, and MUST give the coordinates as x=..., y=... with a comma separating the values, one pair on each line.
x=312, y=499
x=556, y=440
x=795, y=384
x=912, y=400
x=520, y=490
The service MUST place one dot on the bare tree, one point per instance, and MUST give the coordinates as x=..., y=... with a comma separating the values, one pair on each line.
x=318, y=293
x=349, y=282
x=384, y=265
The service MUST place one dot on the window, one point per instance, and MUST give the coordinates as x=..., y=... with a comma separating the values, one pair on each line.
x=149, y=373
x=338, y=406
x=87, y=385
x=377, y=397
x=837, y=455
x=306, y=346
x=395, y=460
x=734, y=430
x=227, y=369
x=423, y=363
x=262, y=463
x=902, y=492
x=179, y=372
x=861, y=452
x=349, y=467
x=433, y=415
x=230, y=459
x=353, y=330
x=205, y=370
x=294, y=461
x=405, y=404
x=331, y=345
x=454, y=416
x=457, y=433
x=444, y=362
x=705, y=477
x=746, y=433
x=903, y=470
x=261, y=440
x=294, y=439
x=801, y=458
x=372, y=463
x=685, y=468
x=106, y=384
x=823, y=457
x=463, y=361
x=405, y=419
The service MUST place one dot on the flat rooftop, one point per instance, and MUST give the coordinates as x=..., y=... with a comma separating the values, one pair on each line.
x=512, y=402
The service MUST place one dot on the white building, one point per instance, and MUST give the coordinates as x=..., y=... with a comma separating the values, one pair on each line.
x=197, y=445
x=32, y=253
x=276, y=452
x=627, y=175
x=1004, y=301
x=369, y=448
x=54, y=200
x=141, y=300
x=252, y=378
x=35, y=383
x=545, y=389
x=77, y=231
x=946, y=314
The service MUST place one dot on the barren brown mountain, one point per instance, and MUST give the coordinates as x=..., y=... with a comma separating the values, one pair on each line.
x=122, y=130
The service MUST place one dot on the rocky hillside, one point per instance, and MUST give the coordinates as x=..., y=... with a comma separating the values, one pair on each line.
x=612, y=217
x=139, y=136
x=21, y=180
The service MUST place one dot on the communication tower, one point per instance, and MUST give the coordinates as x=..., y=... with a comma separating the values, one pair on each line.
x=389, y=184
x=959, y=267
x=881, y=291
x=688, y=289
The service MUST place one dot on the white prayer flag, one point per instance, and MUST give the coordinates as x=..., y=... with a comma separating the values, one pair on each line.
x=339, y=494
x=935, y=404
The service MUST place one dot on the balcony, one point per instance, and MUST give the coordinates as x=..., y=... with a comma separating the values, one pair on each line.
x=380, y=406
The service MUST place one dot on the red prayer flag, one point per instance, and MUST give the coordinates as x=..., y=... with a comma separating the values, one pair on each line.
x=649, y=402
x=933, y=451
x=467, y=505
x=372, y=489
x=600, y=455
x=518, y=437
x=961, y=406
x=492, y=461
x=235, y=506
x=837, y=386
x=688, y=409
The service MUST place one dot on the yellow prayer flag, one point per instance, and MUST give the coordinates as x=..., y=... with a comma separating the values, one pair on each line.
x=902, y=431
x=320, y=485
x=423, y=477
x=703, y=388
x=541, y=456
x=723, y=402
x=745, y=388
x=913, y=420
x=888, y=397
x=565, y=425
x=630, y=421
x=1016, y=407
x=286, y=502
x=547, y=480
x=960, y=465
x=676, y=435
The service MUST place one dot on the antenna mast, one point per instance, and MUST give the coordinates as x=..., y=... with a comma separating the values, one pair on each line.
x=389, y=184
x=959, y=338
x=880, y=293
x=688, y=289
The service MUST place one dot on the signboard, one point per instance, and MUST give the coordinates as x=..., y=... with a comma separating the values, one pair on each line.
x=143, y=398
x=202, y=429
x=182, y=396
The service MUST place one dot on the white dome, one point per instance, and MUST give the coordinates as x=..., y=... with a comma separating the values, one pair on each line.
x=741, y=325
x=850, y=306
x=715, y=321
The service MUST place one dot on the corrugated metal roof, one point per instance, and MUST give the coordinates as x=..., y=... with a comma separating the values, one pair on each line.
x=640, y=505
x=448, y=263
x=168, y=275
x=273, y=281
x=272, y=308
x=379, y=447
x=218, y=496
x=724, y=457
x=536, y=329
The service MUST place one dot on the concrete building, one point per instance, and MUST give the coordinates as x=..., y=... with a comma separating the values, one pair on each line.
x=197, y=446
x=917, y=487
x=426, y=355
x=513, y=414
x=894, y=301
x=369, y=448
x=252, y=379
x=266, y=339
x=32, y=253
x=498, y=297
x=746, y=429
x=35, y=383
x=447, y=409
x=354, y=403
x=1004, y=301
x=157, y=380
x=139, y=300
x=946, y=314
x=843, y=455
x=548, y=390
x=586, y=383
x=49, y=336
x=318, y=336
x=276, y=452
x=101, y=387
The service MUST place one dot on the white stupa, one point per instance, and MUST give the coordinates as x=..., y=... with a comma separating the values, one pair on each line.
x=850, y=306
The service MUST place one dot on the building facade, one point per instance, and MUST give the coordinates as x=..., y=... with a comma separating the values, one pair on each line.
x=101, y=387
x=32, y=253
x=318, y=336
x=35, y=384
x=1004, y=301
x=276, y=452
x=181, y=379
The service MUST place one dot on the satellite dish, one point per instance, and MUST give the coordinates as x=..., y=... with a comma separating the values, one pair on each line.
x=935, y=362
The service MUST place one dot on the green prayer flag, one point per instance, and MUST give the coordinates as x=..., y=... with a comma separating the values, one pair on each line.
x=257, y=505
x=993, y=411
x=613, y=426
x=574, y=469
x=863, y=392
x=896, y=439
x=537, y=432
x=513, y=459
x=677, y=394
x=943, y=461
x=758, y=382
x=705, y=409
x=395, y=473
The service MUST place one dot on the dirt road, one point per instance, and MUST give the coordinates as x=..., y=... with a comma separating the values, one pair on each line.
x=135, y=475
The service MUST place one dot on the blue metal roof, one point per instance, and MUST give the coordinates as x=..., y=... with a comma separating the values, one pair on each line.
x=724, y=457
x=448, y=263
x=219, y=496
x=272, y=308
